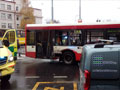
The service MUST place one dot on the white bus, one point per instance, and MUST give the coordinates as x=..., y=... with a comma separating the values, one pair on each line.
x=66, y=41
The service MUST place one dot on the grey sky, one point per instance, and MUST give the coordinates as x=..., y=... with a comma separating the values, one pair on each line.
x=67, y=11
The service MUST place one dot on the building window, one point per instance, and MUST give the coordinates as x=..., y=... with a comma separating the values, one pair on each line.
x=8, y=7
x=17, y=8
x=10, y=25
x=3, y=6
x=3, y=25
x=3, y=16
x=10, y=16
x=17, y=25
x=17, y=18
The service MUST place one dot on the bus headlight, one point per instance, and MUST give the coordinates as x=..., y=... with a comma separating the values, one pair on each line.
x=10, y=58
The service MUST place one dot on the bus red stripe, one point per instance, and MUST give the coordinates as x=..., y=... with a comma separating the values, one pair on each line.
x=31, y=54
x=73, y=27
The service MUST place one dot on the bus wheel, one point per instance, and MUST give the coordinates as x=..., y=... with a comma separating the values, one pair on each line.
x=68, y=57
x=5, y=78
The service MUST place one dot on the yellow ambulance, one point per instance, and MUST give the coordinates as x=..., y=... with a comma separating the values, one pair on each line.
x=8, y=54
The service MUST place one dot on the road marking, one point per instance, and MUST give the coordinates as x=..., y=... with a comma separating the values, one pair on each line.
x=50, y=88
x=57, y=82
x=60, y=77
x=36, y=85
x=75, y=85
x=32, y=77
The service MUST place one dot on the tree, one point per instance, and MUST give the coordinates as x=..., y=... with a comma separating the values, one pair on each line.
x=27, y=14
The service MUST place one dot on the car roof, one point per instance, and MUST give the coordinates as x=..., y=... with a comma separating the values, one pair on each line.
x=89, y=46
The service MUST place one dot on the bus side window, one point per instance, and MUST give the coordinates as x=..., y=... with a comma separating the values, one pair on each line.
x=65, y=38
x=58, y=41
x=31, y=40
x=58, y=38
x=75, y=37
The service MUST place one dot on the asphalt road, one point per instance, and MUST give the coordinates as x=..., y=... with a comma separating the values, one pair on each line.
x=39, y=74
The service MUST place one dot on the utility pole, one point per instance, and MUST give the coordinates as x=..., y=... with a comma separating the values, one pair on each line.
x=52, y=12
x=80, y=19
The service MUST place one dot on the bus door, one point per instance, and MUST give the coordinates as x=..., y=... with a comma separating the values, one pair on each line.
x=43, y=44
x=39, y=45
x=10, y=36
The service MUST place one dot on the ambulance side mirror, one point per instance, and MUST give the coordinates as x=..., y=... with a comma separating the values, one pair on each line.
x=6, y=43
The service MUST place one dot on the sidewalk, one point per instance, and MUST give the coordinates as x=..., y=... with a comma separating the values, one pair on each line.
x=22, y=56
x=21, y=52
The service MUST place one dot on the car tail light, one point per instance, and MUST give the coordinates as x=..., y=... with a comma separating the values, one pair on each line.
x=87, y=80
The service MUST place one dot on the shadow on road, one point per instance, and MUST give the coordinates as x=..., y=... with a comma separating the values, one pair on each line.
x=5, y=85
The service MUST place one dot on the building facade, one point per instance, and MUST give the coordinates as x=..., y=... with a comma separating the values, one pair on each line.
x=38, y=15
x=10, y=16
x=7, y=14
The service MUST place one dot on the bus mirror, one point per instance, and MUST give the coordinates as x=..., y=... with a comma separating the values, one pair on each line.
x=6, y=43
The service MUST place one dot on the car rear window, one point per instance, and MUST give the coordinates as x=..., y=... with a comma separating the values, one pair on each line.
x=105, y=65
